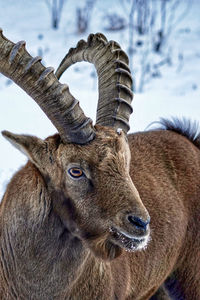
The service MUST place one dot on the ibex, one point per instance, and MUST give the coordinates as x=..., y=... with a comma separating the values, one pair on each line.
x=75, y=220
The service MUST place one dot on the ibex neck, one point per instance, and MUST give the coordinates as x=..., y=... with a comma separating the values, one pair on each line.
x=39, y=258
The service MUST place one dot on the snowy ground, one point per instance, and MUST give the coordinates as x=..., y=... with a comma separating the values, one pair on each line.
x=176, y=93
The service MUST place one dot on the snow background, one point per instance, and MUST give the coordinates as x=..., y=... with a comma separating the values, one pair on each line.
x=175, y=93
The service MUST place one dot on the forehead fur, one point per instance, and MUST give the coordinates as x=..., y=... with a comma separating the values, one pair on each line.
x=116, y=153
x=108, y=148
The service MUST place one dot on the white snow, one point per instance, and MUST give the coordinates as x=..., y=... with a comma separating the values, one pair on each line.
x=176, y=93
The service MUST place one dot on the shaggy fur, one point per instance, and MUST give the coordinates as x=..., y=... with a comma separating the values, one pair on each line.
x=55, y=235
x=185, y=127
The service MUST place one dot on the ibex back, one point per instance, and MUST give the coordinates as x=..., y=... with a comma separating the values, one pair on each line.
x=72, y=221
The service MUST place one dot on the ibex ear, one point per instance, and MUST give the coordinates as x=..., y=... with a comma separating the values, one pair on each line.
x=33, y=147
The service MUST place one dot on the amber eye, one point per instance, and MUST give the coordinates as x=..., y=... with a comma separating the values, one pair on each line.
x=75, y=172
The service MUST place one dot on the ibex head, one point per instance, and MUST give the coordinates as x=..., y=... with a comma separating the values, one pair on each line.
x=85, y=167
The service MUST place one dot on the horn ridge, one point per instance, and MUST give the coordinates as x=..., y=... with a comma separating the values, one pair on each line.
x=32, y=62
x=17, y=48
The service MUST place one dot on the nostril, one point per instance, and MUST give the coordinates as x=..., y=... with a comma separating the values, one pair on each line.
x=138, y=222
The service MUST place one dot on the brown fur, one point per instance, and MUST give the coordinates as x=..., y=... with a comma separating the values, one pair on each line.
x=54, y=232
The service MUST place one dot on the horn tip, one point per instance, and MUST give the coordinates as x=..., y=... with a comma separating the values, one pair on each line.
x=1, y=34
x=6, y=133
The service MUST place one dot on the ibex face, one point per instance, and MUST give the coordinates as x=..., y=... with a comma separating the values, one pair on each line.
x=91, y=189
x=105, y=208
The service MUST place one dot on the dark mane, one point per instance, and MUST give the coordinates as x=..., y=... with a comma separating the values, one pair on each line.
x=185, y=127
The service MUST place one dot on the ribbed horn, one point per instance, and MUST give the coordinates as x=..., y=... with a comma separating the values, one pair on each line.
x=43, y=86
x=114, y=78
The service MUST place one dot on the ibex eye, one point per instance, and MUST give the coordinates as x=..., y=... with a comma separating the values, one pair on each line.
x=75, y=172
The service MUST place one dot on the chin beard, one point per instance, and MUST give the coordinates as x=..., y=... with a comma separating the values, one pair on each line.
x=104, y=249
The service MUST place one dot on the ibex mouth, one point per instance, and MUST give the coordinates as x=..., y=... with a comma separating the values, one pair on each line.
x=128, y=242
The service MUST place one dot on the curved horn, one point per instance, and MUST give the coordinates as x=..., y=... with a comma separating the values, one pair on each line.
x=115, y=81
x=43, y=86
